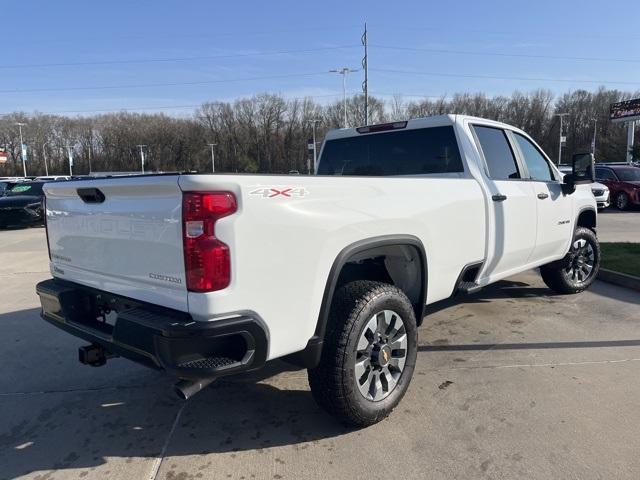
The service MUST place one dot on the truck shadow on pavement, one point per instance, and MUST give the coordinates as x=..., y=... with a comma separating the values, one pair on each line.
x=122, y=423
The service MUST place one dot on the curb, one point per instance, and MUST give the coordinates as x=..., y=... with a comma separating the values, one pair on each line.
x=620, y=279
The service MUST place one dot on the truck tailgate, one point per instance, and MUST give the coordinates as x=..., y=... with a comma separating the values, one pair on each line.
x=123, y=235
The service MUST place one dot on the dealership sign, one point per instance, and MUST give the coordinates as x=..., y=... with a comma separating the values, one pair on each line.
x=626, y=111
x=3, y=155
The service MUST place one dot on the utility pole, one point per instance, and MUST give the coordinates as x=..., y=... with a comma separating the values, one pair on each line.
x=630, y=134
x=593, y=142
x=141, y=147
x=23, y=149
x=70, y=155
x=365, y=83
x=213, y=157
x=344, y=71
x=562, y=138
x=44, y=156
x=315, y=153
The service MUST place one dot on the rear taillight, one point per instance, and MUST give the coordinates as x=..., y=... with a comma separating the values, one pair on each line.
x=207, y=260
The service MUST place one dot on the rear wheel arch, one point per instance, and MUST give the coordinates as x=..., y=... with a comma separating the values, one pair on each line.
x=393, y=259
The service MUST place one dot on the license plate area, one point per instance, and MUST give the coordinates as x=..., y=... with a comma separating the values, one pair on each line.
x=94, y=311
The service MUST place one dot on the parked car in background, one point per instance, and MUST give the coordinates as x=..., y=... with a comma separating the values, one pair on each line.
x=53, y=178
x=623, y=181
x=600, y=190
x=22, y=204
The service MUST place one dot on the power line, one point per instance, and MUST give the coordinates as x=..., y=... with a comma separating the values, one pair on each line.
x=498, y=77
x=502, y=54
x=170, y=84
x=173, y=59
x=178, y=107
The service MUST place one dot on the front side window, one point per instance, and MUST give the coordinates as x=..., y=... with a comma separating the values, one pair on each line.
x=404, y=152
x=501, y=162
x=537, y=165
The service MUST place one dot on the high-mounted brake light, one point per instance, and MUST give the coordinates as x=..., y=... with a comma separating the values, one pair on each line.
x=207, y=260
x=381, y=127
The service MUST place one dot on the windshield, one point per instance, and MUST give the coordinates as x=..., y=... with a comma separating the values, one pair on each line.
x=628, y=174
x=25, y=189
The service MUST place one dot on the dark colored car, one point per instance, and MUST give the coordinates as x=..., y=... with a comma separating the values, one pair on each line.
x=623, y=182
x=22, y=204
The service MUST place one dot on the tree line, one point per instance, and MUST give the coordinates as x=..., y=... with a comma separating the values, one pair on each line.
x=269, y=134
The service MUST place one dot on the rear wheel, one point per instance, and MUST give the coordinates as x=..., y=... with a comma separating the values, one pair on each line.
x=579, y=268
x=622, y=201
x=369, y=353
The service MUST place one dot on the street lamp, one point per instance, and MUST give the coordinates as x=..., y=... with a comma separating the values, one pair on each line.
x=344, y=71
x=44, y=156
x=142, y=156
x=70, y=155
x=23, y=150
x=561, y=115
x=315, y=154
x=213, y=157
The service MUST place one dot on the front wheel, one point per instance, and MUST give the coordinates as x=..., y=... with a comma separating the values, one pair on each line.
x=579, y=268
x=369, y=353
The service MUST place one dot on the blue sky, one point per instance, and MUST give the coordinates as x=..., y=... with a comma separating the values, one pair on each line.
x=223, y=50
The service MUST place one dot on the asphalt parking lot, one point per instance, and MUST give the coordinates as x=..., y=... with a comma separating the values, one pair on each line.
x=512, y=382
x=617, y=226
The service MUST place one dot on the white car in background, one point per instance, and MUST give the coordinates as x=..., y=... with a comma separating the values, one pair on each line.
x=600, y=190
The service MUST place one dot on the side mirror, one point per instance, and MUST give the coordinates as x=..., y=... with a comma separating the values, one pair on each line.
x=568, y=184
x=582, y=172
x=583, y=168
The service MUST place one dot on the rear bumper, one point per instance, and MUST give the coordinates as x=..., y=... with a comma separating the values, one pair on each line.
x=154, y=336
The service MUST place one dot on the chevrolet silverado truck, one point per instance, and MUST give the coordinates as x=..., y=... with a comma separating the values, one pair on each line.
x=203, y=276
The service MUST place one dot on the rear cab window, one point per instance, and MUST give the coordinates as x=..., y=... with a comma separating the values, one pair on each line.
x=421, y=151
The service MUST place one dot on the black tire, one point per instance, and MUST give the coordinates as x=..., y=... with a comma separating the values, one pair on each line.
x=564, y=275
x=622, y=201
x=333, y=381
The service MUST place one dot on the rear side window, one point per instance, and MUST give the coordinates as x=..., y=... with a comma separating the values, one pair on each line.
x=605, y=174
x=407, y=152
x=497, y=152
x=537, y=165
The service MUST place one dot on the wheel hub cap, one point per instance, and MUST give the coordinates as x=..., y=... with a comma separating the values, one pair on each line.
x=581, y=261
x=381, y=354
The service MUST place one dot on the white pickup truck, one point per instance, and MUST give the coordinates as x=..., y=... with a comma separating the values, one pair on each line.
x=209, y=275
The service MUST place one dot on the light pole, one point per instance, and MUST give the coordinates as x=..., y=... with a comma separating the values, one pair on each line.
x=213, y=157
x=561, y=115
x=44, y=156
x=593, y=142
x=141, y=147
x=70, y=155
x=315, y=153
x=23, y=150
x=344, y=71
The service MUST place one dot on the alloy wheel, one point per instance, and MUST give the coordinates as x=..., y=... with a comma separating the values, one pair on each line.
x=582, y=260
x=380, y=355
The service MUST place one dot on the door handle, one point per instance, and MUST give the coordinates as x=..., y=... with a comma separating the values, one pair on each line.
x=542, y=196
x=499, y=198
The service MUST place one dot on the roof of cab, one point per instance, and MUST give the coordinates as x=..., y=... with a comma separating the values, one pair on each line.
x=424, y=122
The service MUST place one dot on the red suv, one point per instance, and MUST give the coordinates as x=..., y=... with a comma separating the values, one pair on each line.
x=623, y=182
